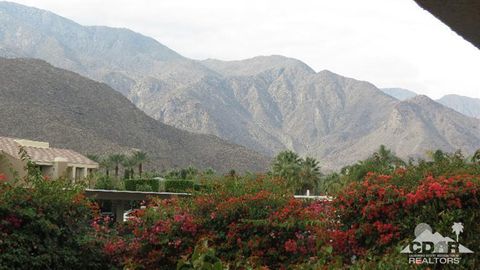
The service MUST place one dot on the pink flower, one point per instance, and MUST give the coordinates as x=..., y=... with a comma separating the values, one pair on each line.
x=291, y=246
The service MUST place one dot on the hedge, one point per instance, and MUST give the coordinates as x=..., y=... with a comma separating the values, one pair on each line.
x=142, y=184
x=178, y=185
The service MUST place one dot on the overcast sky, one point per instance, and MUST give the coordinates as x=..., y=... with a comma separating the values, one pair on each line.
x=391, y=43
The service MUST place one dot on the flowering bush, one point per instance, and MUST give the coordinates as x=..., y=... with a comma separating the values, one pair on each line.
x=257, y=223
x=240, y=223
x=247, y=222
x=46, y=225
x=377, y=214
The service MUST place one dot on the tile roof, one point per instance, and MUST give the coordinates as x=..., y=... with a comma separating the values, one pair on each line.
x=42, y=154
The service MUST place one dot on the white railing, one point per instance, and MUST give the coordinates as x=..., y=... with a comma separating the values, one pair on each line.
x=307, y=196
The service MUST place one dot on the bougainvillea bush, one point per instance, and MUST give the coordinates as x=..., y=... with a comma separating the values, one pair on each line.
x=247, y=222
x=251, y=222
x=378, y=216
x=257, y=224
x=46, y=224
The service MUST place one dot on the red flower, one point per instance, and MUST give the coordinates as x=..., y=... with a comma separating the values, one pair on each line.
x=291, y=246
x=437, y=189
x=386, y=238
x=111, y=248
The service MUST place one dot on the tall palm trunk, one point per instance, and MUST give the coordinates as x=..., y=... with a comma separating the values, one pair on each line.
x=140, y=169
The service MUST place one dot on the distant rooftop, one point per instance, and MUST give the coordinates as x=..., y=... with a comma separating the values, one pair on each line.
x=41, y=152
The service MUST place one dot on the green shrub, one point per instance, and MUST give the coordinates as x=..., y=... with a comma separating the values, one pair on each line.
x=203, y=257
x=178, y=185
x=142, y=185
x=104, y=182
x=45, y=224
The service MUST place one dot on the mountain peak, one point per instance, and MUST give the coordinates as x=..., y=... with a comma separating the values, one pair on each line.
x=421, y=99
x=399, y=93
x=466, y=105
x=256, y=65
x=51, y=34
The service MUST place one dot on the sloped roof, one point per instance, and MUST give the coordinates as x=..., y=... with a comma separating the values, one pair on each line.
x=43, y=154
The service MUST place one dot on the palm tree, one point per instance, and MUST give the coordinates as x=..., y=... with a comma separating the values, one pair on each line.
x=386, y=157
x=140, y=157
x=309, y=173
x=476, y=156
x=457, y=228
x=94, y=157
x=438, y=156
x=116, y=160
x=232, y=173
x=128, y=163
x=106, y=163
x=209, y=171
x=287, y=165
x=191, y=172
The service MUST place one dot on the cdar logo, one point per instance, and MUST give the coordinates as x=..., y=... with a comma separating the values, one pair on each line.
x=432, y=248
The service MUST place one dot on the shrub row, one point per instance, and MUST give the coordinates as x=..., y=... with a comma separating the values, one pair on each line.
x=178, y=185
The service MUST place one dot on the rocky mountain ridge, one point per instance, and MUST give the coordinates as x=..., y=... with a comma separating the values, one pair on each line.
x=41, y=102
x=266, y=103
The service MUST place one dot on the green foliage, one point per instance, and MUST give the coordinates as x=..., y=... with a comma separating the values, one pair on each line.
x=104, y=182
x=106, y=164
x=94, y=157
x=301, y=174
x=249, y=223
x=45, y=224
x=140, y=157
x=178, y=185
x=128, y=163
x=109, y=183
x=142, y=185
x=203, y=258
x=189, y=173
x=385, y=162
x=116, y=160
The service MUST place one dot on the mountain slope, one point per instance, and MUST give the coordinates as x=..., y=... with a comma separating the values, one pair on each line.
x=267, y=103
x=399, y=93
x=418, y=125
x=119, y=57
x=466, y=105
x=38, y=101
x=273, y=103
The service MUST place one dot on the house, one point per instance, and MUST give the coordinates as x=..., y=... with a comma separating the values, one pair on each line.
x=52, y=162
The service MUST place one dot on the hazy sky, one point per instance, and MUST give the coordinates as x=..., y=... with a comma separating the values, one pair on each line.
x=391, y=43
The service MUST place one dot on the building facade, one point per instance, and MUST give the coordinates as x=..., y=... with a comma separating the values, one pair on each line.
x=52, y=162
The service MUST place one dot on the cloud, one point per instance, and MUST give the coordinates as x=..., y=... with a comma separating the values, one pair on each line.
x=390, y=43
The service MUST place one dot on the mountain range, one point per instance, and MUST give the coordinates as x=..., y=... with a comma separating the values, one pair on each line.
x=465, y=105
x=41, y=102
x=399, y=93
x=266, y=103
